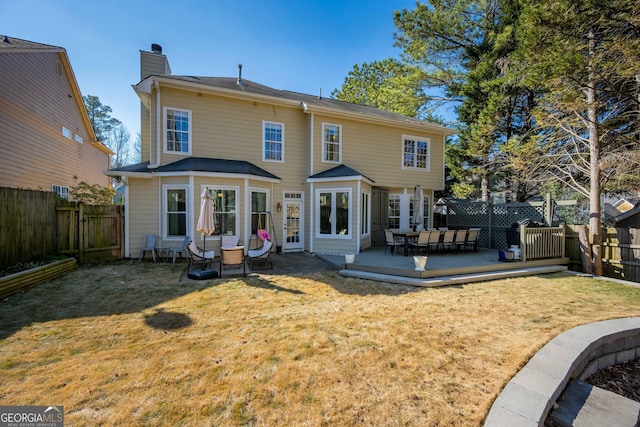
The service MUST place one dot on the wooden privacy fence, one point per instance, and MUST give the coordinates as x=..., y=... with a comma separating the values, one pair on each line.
x=35, y=224
x=27, y=225
x=91, y=233
x=620, y=252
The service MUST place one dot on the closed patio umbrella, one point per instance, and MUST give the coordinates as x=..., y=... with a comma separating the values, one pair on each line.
x=205, y=220
x=418, y=206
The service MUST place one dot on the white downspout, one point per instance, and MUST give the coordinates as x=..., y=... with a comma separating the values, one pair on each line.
x=157, y=162
x=311, y=195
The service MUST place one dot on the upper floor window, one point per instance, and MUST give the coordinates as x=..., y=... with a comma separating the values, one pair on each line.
x=273, y=141
x=177, y=130
x=415, y=153
x=61, y=191
x=78, y=138
x=66, y=132
x=331, y=142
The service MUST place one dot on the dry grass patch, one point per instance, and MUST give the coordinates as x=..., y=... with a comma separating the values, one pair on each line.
x=130, y=344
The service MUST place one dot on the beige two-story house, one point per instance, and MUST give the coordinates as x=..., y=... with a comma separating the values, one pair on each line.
x=47, y=142
x=320, y=175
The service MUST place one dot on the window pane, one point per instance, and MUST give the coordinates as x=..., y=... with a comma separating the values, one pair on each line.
x=258, y=211
x=331, y=140
x=177, y=130
x=224, y=210
x=394, y=211
x=325, y=213
x=273, y=140
x=342, y=213
x=408, y=153
x=176, y=212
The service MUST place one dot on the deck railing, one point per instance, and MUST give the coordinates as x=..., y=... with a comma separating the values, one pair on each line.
x=541, y=242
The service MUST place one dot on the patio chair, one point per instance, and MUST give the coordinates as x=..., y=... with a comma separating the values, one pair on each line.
x=422, y=242
x=232, y=257
x=472, y=239
x=181, y=250
x=434, y=240
x=149, y=245
x=460, y=239
x=261, y=255
x=447, y=240
x=391, y=241
x=196, y=255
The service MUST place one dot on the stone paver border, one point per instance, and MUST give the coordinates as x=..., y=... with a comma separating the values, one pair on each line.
x=527, y=399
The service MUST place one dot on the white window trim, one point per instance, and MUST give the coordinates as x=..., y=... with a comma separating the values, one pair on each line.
x=417, y=139
x=333, y=192
x=165, y=223
x=78, y=138
x=264, y=142
x=267, y=202
x=324, y=151
x=237, y=207
x=164, y=132
x=66, y=133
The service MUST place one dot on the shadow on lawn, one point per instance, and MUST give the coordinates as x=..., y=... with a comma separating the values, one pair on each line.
x=128, y=287
x=104, y=290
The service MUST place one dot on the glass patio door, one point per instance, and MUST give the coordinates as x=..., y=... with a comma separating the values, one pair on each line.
x=292, y=227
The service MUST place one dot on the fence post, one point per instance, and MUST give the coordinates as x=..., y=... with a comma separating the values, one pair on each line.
x=523, y=243
x=490, y=221
x=81, y=221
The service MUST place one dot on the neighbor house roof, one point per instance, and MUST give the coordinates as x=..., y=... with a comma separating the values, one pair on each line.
x=196, y=164
x=338, y=172
x=14, y=45
x=308, y=103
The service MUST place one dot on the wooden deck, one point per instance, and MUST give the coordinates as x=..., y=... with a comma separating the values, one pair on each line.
x=439, y=264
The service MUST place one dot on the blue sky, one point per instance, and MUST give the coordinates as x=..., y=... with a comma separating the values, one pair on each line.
x=303, y=46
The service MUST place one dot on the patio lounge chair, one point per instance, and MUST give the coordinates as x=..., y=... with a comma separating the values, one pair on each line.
x=232, y=257
x=196, y=255
x=261, y=255
x=422, y=243
x=149, y=245
x=460, y=240
x=181, y=250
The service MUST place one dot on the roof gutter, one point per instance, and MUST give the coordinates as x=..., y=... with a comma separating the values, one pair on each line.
x=157, y=162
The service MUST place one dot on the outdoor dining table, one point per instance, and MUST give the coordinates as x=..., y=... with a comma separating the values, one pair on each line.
x=407, y=235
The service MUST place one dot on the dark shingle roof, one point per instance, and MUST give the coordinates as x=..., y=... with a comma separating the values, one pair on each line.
x=340, y=171
x=250, y=87
x=202, y=164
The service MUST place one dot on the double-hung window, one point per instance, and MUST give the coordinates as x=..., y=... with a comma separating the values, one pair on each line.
x=331, y=143
x=61, y=191
x=224, y=209
x=175, y=207
x=259, y=200
x=415, y=153
x=177, y=125
x=333, y=213
x=272, y=141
